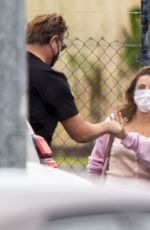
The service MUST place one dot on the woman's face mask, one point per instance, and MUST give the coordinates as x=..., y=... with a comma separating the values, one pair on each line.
x=142, y=100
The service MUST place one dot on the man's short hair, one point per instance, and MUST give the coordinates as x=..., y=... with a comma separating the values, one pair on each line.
x=44, y=26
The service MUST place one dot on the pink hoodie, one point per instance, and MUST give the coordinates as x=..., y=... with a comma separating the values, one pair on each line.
x=129, y=157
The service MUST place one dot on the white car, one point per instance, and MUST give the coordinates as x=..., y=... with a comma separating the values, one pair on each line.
x=39, y=199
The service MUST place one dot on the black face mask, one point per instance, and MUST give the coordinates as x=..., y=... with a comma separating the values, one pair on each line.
x=54, y=59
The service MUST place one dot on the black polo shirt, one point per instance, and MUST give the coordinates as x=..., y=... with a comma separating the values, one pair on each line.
x=50, y=97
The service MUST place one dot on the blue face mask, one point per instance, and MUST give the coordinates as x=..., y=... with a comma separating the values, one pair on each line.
x=142, y=100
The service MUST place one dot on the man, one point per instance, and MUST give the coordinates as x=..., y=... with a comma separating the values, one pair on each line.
x=50, y=97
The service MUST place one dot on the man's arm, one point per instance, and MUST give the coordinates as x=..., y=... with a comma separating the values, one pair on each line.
x=83, y=131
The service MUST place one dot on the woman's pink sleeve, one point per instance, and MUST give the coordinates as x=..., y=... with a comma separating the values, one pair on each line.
x=96, y=160
x=140, y=144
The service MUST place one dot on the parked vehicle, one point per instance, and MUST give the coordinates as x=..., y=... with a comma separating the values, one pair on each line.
x=41, y=199
x=41, y=149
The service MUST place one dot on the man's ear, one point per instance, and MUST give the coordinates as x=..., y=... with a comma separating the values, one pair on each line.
x=53, y=38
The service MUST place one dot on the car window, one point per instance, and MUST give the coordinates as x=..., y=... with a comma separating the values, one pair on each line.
x=113, y=221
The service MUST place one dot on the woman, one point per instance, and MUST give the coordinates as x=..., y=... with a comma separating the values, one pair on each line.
x=129, y=156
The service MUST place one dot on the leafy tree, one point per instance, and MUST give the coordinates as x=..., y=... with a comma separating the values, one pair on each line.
x=133, y=39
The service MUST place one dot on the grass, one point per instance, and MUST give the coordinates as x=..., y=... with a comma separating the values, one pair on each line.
x=66, y=160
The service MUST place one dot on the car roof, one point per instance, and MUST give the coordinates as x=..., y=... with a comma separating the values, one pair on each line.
x=48, y=193
x=67, y=190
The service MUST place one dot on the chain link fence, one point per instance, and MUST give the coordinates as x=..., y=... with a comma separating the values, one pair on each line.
x=98, y=72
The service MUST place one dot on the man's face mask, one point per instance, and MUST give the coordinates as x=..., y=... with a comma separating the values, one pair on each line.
x=54, y=59
x=142, y=100
x=55, y=56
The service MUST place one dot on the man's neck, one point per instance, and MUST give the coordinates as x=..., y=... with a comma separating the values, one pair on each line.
x=39, y=51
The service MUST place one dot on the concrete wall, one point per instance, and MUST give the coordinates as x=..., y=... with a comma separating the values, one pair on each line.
x=93, y=18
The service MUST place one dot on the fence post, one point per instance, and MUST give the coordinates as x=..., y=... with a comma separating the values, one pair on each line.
x=12, y=84
x=145, y=32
